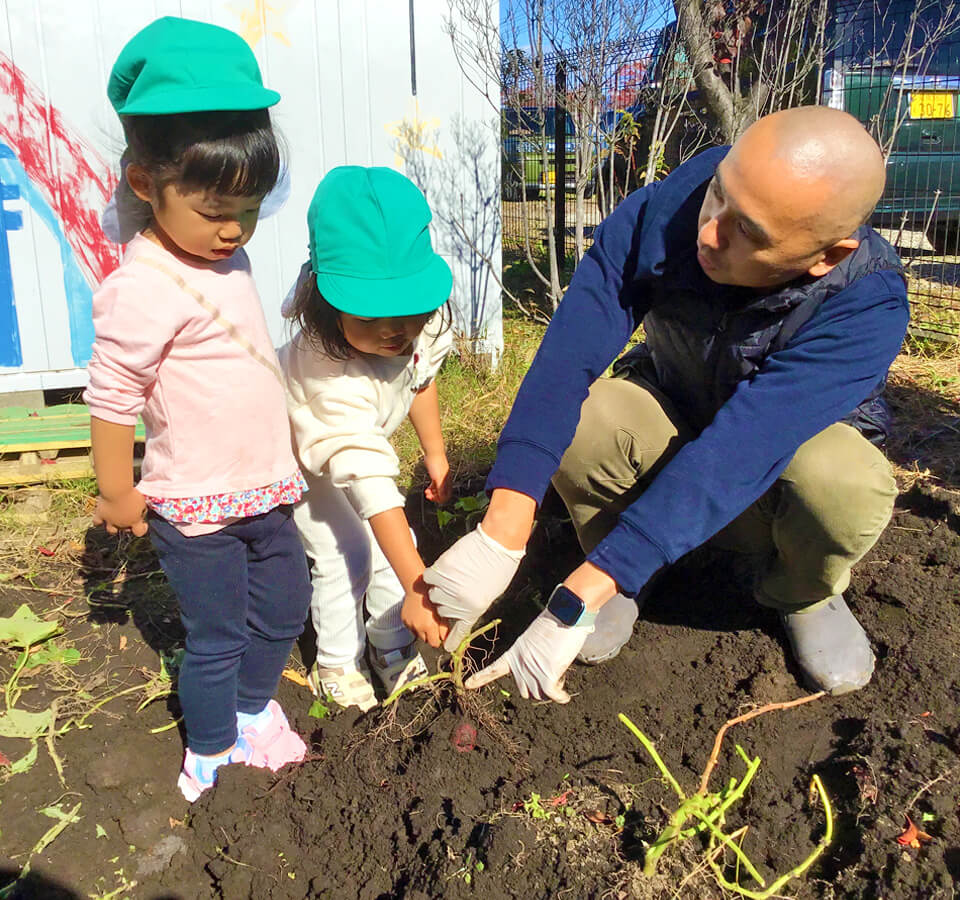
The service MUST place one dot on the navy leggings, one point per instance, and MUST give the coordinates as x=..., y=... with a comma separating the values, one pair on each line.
x=244, y=592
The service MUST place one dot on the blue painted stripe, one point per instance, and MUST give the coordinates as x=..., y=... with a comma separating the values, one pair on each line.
x=78, y=293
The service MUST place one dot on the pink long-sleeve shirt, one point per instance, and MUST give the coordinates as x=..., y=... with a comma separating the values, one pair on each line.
x=187, y=347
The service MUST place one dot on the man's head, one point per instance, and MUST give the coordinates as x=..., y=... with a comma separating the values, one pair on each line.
x=788, y=197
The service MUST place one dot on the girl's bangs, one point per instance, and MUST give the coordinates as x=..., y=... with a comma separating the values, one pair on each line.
x=239, y=165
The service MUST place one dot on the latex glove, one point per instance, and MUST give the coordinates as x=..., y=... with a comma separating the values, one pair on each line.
x=467, y=578
x=538, y=659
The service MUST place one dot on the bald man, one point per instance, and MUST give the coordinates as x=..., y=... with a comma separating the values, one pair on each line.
x=750, y=417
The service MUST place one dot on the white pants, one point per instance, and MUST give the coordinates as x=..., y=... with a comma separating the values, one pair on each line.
x=347, y=566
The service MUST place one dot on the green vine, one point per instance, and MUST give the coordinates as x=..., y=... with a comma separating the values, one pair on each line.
x=707, y=811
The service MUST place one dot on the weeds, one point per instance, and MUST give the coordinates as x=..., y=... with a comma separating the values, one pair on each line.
x=707, y=810
x=469, y=703
x=454, y=675
x=534, y=808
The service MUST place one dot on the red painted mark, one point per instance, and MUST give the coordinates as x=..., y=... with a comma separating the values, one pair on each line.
x=74, y=179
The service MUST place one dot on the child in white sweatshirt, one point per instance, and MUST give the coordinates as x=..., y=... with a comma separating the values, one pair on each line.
x=372, y=337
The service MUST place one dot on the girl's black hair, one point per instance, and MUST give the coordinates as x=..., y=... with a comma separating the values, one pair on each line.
x=319, y=322
x=233, y=153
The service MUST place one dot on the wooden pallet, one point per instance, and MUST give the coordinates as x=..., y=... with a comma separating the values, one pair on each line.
x=47, y=444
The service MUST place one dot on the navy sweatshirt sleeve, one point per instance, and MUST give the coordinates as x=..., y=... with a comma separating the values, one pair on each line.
x=833, y=362
x=590, y=327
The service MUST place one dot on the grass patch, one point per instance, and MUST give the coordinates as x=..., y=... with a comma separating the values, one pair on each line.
x=924, y=394
x=474, y=405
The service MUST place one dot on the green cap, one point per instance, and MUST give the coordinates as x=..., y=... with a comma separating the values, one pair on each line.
x=370, y=244
x=179, y=66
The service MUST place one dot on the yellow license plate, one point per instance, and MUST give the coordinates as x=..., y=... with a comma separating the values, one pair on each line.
x=930, y=105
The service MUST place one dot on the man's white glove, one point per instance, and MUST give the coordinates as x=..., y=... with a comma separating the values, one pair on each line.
x=538, y=659
x=467, y=578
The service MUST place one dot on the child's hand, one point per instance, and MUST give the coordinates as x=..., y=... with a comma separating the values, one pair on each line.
x=420, y=616
x=439, y=490
x=128, y=512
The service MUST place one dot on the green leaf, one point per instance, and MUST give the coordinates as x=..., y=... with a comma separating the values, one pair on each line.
x=24, y=628
x=53, y=655
x=170, y=662
x=56, y=812
x=101, y=831
x=928, y=817
x=18, y=723
x=25, y=763
x=469, y=504
x=319, y=709
x=443, y=517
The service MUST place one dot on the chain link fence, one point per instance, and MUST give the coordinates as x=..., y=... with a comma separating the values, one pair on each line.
x=894, y=64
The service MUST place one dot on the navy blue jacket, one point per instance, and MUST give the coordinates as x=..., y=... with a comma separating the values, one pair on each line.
x=755, y=375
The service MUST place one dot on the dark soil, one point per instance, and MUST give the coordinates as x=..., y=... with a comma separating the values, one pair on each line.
x=392, y=806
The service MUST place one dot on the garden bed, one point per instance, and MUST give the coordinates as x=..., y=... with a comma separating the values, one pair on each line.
x=554, y=801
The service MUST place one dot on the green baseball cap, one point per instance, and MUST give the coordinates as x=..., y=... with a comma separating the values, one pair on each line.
x=178, y=66
x=370, y=247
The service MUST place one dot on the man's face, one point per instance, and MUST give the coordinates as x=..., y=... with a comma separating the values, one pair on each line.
x=757, y=224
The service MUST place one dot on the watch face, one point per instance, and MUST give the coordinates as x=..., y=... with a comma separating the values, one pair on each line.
x=565, y=605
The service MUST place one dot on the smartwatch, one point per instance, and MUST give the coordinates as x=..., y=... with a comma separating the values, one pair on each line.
x=569, y=608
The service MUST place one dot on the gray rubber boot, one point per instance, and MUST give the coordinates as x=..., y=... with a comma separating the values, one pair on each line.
x=831, y=647
x=611, y=630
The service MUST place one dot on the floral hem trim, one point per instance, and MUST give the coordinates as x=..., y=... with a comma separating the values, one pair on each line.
x=237, y=505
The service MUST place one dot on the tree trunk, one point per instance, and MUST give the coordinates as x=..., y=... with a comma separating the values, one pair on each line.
x=731, y=112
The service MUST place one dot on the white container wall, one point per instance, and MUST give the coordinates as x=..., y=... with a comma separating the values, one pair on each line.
x=367, y=82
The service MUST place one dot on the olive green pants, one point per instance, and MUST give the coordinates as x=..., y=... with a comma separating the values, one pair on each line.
x=824, y=512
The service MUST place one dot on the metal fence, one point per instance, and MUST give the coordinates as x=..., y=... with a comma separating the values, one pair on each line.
x=598, y=93
x=894, y=64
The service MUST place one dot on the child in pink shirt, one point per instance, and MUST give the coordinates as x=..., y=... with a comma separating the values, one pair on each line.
x=181, y=340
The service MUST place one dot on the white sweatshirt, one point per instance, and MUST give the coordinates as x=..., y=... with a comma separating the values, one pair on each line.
x=343, y=413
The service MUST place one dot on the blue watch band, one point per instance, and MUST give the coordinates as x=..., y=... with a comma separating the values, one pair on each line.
x=569, y=608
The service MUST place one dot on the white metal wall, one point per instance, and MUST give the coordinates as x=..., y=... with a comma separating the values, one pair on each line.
x=346, y=74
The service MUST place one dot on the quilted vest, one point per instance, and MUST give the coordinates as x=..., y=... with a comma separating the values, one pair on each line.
x=702, y=338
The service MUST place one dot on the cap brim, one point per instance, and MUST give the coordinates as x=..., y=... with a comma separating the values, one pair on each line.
x=408, y=295
x=206, y=99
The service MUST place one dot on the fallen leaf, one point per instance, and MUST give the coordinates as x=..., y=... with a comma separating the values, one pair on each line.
x=19, y=723
x=598, y=817
x=4, y=761
x=123, y=643
x=560, y=799
x=913, y=836
x=865, y=784
x=294, y=676
x=24, y=628
x=175, y=823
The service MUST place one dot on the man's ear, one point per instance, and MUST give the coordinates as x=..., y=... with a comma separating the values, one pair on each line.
x=140, y=183
x=833, y=256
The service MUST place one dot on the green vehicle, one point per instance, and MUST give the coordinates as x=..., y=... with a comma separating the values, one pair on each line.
x=522, y=169
x=915, y=112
